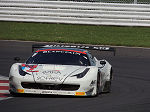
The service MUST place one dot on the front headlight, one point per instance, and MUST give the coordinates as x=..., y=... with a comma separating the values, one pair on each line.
x=82, y=74
x=21, y=72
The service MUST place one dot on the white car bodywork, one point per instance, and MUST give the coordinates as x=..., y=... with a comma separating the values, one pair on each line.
x=61, y=79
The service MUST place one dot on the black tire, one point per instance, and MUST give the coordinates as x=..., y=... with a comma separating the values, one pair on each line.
x=13, y=94
x=98, y=85
x=107, y=87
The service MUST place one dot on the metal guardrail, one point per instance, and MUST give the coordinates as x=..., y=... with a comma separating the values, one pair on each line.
x=112, y=1
x=92, y=13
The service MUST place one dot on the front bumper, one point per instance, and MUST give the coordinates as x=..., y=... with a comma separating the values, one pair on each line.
x=51, y=92
x=73, y=86
x=86, y=92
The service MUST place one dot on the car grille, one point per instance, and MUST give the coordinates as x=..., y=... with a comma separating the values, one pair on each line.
x=66, y=87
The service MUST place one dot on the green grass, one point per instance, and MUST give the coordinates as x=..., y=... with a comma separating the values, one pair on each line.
x=83, y=34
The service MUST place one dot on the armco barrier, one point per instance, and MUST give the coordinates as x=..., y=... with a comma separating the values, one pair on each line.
x=91, y=13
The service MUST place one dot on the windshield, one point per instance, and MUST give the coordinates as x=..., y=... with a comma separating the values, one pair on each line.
x=59, y=57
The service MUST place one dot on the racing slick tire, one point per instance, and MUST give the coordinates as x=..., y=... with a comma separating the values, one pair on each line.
x=107, y=86
x=12, y=93
x=98, y=85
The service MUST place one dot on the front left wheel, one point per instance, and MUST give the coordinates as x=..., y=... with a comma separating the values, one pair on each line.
x=98, y=85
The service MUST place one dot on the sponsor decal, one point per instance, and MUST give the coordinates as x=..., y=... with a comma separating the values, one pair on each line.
x=30, y=68
x=101, y=48
x=31, y=91
x=49, y=92
x=49, y=78
x=52, y=72
x=93, y=83
x=68, y=46
x=57, y=92
x=60, y=50
x=66, y=52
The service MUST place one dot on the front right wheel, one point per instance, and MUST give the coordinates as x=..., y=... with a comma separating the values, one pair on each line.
x=107, y=87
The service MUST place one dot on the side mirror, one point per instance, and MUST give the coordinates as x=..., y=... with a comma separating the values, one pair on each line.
x=17, y=59
x=102, y=62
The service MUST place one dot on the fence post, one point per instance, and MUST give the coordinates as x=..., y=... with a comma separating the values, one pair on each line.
x=135, y=1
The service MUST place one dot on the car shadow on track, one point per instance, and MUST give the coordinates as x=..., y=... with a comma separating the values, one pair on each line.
x=47, y=96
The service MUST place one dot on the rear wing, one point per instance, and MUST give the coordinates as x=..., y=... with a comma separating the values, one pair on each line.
x=90, y=47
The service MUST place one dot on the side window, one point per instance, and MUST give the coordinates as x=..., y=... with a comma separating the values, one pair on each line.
x=92, y=60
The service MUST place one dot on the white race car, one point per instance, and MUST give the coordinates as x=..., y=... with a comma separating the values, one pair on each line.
x=62, y=70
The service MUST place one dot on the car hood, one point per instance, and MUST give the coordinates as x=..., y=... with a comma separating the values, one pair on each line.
x=45, y=73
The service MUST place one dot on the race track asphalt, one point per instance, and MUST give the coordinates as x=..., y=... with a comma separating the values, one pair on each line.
x=130, y=87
